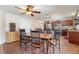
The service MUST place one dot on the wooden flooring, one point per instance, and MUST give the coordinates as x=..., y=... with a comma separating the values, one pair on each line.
x=14, y=48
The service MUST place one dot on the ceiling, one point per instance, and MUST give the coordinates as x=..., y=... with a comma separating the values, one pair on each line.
x=45, y=9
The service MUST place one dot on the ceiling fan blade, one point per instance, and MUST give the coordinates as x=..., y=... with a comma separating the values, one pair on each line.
x=30, y=6
x=23, y=13
x=32, y=14
x=36, y=12
x=20, y=8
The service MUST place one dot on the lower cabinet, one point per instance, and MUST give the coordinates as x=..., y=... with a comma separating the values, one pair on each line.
x=64, y=32
x=12, y=36
x=73, y=37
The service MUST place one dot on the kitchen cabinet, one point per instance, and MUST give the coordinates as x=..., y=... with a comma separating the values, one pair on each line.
x=12, y=36
x=73, y=37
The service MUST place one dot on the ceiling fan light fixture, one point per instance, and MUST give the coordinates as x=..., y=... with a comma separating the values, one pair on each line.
x=30, y=6
x=28, y=13
x=29, y=10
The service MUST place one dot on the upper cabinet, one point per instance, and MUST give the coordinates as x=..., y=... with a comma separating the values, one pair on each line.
x=67, y=23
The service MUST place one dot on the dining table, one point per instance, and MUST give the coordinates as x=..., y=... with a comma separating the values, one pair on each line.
x=45, y=37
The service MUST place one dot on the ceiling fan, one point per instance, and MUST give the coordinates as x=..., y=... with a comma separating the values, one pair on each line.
x=29, y=10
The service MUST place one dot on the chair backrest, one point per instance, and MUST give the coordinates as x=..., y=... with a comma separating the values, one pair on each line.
x=22, y=33
x=57, y=33
x=39, y=29
x=35, y=35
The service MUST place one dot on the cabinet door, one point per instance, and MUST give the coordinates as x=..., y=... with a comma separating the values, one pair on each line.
x=67, y=22
x=17, y=36
x=12, y=36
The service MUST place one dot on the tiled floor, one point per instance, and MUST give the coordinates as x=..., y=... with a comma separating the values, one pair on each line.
x=14, y=48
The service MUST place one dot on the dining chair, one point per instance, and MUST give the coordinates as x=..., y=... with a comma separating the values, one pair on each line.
x=57, y=36
x=23, y=37
x=36, y=41
x=55, y=42
x=51, y=42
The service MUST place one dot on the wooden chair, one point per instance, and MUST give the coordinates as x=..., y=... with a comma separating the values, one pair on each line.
x=57, y=35
x=23, y=37
x=55, y=41
x=36, y=41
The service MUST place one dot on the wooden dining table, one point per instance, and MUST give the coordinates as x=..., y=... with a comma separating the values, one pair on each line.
x=44, y=36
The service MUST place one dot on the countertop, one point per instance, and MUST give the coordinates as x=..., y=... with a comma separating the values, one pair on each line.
x=74, y=30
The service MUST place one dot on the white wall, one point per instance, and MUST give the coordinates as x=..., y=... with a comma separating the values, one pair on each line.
x=38, y=24
x=21, y=22
x=6, y=18
x=2, y=27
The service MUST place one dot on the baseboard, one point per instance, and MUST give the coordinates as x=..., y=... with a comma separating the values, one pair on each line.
x=11, y=42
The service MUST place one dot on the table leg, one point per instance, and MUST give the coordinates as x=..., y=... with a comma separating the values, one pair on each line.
x=47, y=47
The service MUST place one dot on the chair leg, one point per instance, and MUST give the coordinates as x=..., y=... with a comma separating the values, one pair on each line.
x=43, y=47
x=31, y=48
x=58, y=43
x=53, y=50
x=26, y=46
x=47, y=47
x=59, y=46
x=20, y=44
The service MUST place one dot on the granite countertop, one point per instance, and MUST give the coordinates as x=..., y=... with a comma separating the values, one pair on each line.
x=74, y=30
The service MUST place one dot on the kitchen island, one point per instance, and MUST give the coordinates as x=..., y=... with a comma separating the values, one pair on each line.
x=73, y=36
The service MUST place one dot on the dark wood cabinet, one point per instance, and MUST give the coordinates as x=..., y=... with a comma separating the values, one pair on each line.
x=67, y=23
x=64, y=32
x=73, y=37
